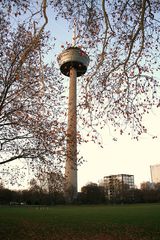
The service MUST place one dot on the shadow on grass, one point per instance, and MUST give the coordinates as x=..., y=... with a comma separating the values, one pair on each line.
x=28, y=230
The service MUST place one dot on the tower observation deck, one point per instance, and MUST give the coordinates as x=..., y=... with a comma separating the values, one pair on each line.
x=73, y=57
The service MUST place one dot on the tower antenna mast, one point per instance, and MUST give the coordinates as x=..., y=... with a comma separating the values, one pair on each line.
x=74, y=37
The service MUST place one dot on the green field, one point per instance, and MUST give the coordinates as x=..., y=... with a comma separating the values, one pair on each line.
x=126, y=222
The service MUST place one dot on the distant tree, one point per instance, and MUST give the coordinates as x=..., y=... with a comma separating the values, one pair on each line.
x=53, y=184
x=34, y=185
x=147, y=186
x=1, y=184
x=92, y=194
x=150, y=192
x=5, y=196
x=138, y=196
x=51, y=181
x=157, y=186
x=49, y=187
x=150, y=196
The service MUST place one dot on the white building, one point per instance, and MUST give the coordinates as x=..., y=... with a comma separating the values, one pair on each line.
x=155, y=173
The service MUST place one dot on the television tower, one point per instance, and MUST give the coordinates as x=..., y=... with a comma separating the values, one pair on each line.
x=73, y=63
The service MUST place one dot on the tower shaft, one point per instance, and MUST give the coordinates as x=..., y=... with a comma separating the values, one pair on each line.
x=71, y=161
x=73, y=63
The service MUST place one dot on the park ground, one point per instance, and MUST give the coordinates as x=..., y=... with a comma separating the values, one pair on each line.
x=118, y=222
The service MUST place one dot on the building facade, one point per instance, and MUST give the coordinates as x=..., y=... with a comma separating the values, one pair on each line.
x=117, y=187
x=155, y=173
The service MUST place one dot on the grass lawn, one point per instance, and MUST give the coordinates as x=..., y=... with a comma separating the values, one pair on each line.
x=125, y=222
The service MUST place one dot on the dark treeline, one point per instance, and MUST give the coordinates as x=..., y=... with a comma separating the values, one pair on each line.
x=30, y=197
x=90, y=194
x=94, y=194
